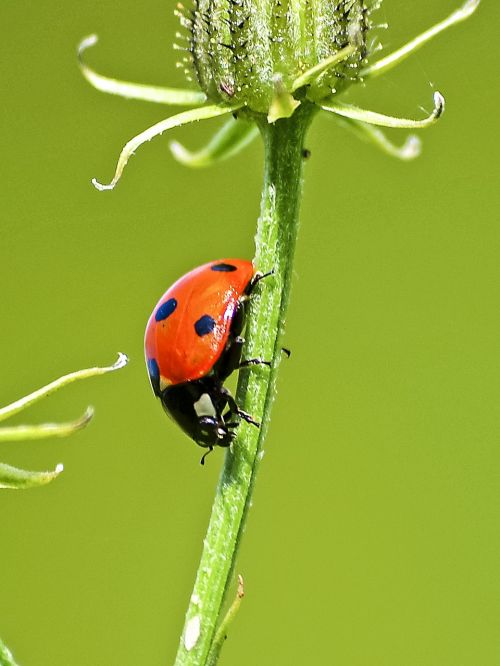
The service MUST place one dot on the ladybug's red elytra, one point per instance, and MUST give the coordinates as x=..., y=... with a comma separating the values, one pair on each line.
x=193, y=343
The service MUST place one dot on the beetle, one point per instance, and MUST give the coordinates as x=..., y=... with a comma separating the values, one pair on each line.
x=193, y=343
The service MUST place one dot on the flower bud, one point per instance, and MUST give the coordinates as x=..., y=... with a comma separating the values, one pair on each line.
x=248, y=51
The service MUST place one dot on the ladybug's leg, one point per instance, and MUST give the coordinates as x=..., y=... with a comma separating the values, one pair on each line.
x=230, y=359
x=253, y=361
x=259, y=361
x=234, y=409
x=255, y=281
x=246, y=417
x=238, y=319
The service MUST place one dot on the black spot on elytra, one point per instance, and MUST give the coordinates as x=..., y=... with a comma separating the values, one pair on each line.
x=223, y=268
x=165, y=309
x=204, y=325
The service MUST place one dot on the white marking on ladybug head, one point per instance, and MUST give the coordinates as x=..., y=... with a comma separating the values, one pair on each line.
x=204, y=406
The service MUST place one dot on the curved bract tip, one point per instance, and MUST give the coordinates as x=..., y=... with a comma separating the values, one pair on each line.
x=48, y=389
x=382, y=120
x=439, y=105
x=469, y=7
x=411, y=148
x=102, y=188
x=18, y=479
x=184, y=118
x=85, y=44
x=131, y=90
x=121, y=362
x=12, y=477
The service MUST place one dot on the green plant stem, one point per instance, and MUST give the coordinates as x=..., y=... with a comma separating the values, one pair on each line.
x=6, y=658
x=275, y=245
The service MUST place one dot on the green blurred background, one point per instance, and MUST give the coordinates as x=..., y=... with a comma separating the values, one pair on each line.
x=374, y=537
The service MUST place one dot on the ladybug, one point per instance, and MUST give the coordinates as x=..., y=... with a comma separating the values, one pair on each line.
x=193, y=343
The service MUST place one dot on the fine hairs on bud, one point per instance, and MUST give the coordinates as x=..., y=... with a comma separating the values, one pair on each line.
x=238, y=49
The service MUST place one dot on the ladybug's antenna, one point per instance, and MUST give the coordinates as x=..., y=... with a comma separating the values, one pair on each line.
x=202, y=461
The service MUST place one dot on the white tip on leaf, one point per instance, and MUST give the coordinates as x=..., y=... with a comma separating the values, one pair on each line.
x=469, y=7
x=26, y=401
x=410, y=150
x=439, y=106
x=86, y=43
x=18, y=479
x=121, y=362
x=12, y=477
x=183, y=118
x=381, y=120
x=99, y=186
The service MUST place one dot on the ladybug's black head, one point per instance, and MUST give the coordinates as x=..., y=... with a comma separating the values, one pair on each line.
x=197, y=407
x=212, y=432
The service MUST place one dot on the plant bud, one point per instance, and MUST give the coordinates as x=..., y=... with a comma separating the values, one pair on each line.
x=249, y=51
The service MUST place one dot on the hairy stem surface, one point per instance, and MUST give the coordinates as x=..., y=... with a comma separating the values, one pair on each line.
x=275, y=246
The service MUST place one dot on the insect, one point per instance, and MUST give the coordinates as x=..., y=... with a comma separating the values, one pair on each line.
x=193, y=343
